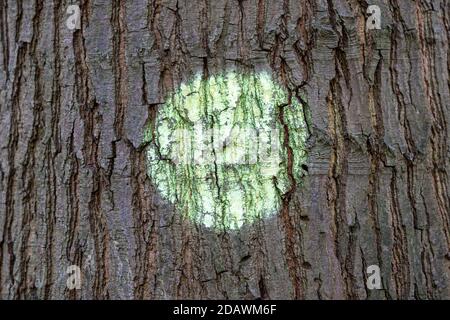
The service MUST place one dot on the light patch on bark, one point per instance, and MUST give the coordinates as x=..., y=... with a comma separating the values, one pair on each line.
x=217, y=148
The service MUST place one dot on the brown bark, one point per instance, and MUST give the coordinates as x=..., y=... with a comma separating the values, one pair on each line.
x=73, y=181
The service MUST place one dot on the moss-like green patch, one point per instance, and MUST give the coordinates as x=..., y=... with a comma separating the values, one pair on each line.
x=217, y=149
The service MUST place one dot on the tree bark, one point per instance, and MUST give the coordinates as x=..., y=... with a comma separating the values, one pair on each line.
x=74, y=188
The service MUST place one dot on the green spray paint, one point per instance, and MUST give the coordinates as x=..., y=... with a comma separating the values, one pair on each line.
x=217, y=148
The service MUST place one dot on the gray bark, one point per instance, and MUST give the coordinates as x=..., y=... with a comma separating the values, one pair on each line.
x=73, y=183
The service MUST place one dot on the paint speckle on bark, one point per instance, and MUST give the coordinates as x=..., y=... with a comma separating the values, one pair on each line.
x=217, y=148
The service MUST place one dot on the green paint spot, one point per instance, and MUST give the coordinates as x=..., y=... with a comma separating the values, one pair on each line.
x=217, y=148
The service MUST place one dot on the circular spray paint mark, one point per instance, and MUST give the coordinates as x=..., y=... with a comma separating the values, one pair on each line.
x=219, y=148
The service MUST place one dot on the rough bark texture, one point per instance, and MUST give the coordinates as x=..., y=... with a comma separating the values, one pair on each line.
x=73, y=179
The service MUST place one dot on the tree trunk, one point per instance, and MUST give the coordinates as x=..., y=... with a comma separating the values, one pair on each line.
x=74, y=188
